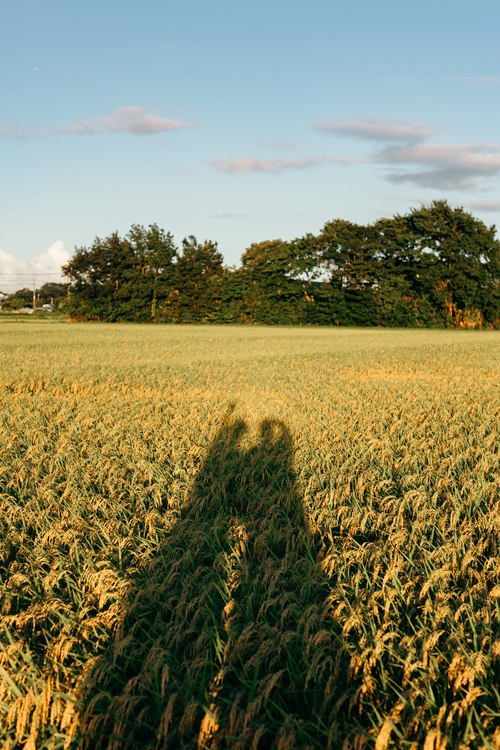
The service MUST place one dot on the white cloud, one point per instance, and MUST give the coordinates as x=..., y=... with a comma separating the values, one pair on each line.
x=242, y=164
x=126, y=120
x=43, y=268
x=450, y=166
x=373, y=129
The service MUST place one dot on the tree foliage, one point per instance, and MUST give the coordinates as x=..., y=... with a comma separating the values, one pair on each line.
x=50, y=293
x=435, y=266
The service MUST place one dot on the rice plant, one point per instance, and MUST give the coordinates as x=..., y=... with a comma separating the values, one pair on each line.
x=243, y=537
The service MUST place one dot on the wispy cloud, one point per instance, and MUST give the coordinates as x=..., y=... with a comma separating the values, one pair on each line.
x=21, y=133
x=493, y=206
x=257, y=164
x=373, y=129
x=402, y=152
x=280, y=145
x=44, y=267
x=474, y=79
x=227, y=216
x=132, y=119
x=9, y=130
x=177, y=172
x=135, y=120
x=442, y=166
x=450, y=166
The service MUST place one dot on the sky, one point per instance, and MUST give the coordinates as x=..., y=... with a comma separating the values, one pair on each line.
x=238, y=122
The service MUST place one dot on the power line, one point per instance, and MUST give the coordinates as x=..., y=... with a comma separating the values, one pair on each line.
x=29, y=276
x=28, y=273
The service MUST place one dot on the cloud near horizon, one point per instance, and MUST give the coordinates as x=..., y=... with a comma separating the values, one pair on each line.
x=257, y=164
x=130, y=119
x=43, y=268
x=374, y=129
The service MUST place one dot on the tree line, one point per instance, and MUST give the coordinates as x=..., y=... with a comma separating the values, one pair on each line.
x=435, y=266
x=50, y=293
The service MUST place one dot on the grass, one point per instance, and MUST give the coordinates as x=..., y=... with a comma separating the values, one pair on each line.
x=245, y=537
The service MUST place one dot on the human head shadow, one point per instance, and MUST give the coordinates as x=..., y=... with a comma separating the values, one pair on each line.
x=228, y=641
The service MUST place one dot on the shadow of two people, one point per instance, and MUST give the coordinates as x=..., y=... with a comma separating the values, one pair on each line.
x=229, y=641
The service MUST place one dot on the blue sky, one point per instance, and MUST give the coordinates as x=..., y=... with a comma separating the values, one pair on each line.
x=238, y=122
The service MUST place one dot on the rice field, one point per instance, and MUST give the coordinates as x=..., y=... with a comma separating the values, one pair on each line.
x=248, y=538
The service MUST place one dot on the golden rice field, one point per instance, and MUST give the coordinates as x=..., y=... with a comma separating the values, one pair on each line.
x=249, y=538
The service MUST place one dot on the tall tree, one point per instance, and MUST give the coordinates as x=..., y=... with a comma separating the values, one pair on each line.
x=96, y=275
x=349, y=256
x=156, y=254
x=199, y=272
x=270, y=268
x=120, y=278
x=459, y=262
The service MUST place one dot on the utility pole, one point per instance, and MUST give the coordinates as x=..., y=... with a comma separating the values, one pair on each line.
x=153, y=304
x=34, y=296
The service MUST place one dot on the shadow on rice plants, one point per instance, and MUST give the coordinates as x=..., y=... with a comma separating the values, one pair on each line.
x=229, y=641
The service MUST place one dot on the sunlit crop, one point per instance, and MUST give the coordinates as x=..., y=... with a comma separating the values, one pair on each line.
x=249, y=538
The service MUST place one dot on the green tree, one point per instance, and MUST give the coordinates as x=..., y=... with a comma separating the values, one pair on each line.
x=348, y=255
x=122, y=278
x=22, y=298
x=97, y=274
x=199, y=273
x=155, y=253
x=401, y=296
x=53, y=293
x=459, y=264
x=435, y=266
x=275, y=271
